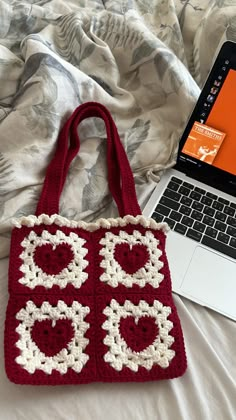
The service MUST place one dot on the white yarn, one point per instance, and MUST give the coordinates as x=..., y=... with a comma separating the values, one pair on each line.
x=31, y=221
x=119, y=355
x=73, y=356
x=73, y=274
x=115, y=275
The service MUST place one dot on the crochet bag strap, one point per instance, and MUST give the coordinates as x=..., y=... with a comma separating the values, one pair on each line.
x=120, y=177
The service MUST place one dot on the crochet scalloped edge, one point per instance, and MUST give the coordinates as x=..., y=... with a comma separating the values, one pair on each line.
x=31, y=221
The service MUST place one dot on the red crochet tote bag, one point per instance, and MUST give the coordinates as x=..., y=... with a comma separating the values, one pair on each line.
x=90, y=301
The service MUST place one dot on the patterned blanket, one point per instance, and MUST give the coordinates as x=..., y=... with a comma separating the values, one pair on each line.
x=143, y=59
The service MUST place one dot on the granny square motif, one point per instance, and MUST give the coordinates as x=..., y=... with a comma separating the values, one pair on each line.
x=90, y=301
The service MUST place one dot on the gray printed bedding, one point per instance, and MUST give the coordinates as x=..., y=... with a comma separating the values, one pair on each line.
x=146, y=61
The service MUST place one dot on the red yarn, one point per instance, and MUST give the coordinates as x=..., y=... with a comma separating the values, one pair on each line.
x=84, y=303
x=138, y=335
x=120, y=177
x=51, y=339
x=51, y=259
x=131, y=258
x=178, y=365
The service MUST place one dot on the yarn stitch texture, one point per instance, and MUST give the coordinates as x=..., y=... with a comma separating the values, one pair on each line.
x=37, y=267
x=90, y=301
x=71, y=355
x=157, y=351
x=138, y=263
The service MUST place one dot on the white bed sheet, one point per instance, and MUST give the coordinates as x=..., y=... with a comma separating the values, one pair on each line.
x=35, y=98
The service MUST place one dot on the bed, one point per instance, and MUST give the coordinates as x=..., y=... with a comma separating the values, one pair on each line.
x=146, y=60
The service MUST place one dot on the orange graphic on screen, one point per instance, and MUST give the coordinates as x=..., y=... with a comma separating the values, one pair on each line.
x=222, y=117
x=203, y=142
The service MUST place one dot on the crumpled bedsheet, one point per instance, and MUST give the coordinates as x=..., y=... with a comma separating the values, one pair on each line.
x=146, y=60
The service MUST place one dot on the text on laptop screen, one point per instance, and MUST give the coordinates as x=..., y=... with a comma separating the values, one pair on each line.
x=212, y=138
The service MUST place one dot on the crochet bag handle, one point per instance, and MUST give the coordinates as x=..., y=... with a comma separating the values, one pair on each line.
x=120, y=177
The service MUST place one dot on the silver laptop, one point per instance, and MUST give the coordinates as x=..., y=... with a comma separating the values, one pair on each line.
x=198, y=197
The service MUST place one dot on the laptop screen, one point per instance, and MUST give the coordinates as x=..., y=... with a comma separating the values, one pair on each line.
x=208, y=145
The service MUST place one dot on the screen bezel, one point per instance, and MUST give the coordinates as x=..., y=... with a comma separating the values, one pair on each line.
x=199, y=170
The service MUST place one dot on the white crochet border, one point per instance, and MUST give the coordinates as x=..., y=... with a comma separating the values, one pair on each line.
x=31, y=221
x=73, y=274
x=114, y=274
x=31, y=358
x=119, y=355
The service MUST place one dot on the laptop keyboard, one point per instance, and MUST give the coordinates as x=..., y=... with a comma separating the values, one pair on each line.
x=200, y=215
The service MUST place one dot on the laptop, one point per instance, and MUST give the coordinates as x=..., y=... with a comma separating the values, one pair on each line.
x=197, y=198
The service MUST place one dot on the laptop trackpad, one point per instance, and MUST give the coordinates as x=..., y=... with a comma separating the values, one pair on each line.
x=211, y=279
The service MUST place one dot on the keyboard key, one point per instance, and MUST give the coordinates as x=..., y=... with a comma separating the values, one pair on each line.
x=162, y=210
x=211, y=232
x=233, y=205
x=196, y=215
x=231, y=231
x=187, y=221
x=229, y=211
x=219, y=246
x=233, y=242
x=195, y=195
x=220, y=216
x=173, y=186
x=213, y=196
x=172, y=194
x=223, y=237
x=200, y=227
x=199, y=190
x=180, y=228
x=208, y=220
x=185, y=210
x=184, y=190
x=157, y=217
x=190, y=186
x=177, y=180
x=209, y=211
x=223, y=201
x=218, y=206
x=175, y=216
x=169, y=203
x=220, y=226
x=193, y=234
x=197, y=206
x=170, y=222
x=206, y=200
x=186, y=200
x=231, y=221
